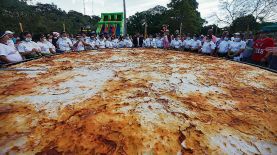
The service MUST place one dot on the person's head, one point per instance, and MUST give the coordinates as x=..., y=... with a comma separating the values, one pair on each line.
x=158, y=37
x=150, y=37
x=224, y=34
x=195, y=37
x=42, y=38
x=64, y=35
x=49, y=36
x=120, y=38
x=237, y=37
x=10, y=34
x=109, y=38
x=78, y=36
x=263, y=35
x=27, y=36
x=84, y=34
x=188, y=36
x=226, y=38
x=210, y=32
x=4, y=37
x=249, y=35
x=209, y=38
x=101, y=36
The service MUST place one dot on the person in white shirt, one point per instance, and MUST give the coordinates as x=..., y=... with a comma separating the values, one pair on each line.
x=187, y=43
x=27, y=47
x=79, y=44
x=159, y=42
x=46, y=47
x=10, y=42
x=92, y=41
x=108, y=42
x=121, y=43
x=223, y=47
x=100, y=43
x=50, y=38
x=64, y=44
x=115, y=41
x=8, y=54
x=176, y=43
x=236, y=47
x=208, y=46
x=84, y=36
x=150, y=42
x=128, y=42
x=195, y=44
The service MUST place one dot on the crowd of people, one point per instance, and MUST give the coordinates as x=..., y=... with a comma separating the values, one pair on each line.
x=259, y=50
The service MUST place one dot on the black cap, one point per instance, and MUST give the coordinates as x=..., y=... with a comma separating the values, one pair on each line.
x=2, y=34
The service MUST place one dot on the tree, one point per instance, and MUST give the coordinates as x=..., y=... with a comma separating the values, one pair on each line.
x=41, y=18
x=262, y=10
x=246, y=23
x=154, y=18
x=179, y=11
x=185, y=12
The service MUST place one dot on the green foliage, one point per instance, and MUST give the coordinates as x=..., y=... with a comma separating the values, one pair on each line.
x=245, y=23
x=179, y=11
x=41, y=18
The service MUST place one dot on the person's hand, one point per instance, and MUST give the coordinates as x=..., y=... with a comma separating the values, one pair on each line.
x=34, y=50
x=271, y=49
x=263, y=59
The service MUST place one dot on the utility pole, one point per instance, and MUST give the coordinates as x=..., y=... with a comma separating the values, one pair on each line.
x=181, y=27
x=84, y=7
x=92, y=7
x=125, y=21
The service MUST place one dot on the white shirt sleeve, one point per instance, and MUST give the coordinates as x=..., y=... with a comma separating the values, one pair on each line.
x=21, y=48
x=212, y=45
x=3, y=51
x=70, y=42
x=243, y=45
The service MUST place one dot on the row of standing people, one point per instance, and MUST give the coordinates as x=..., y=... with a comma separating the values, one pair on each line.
x=259, y=50
x=26, y=46
x=234, y=47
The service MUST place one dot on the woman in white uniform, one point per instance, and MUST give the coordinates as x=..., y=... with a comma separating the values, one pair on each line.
x=121, y=43
x=8, y=54
x=236, y=47
x=108, y=42
x=187, y=43
x=100, y=43
x=128, y=42
x=195, y=44
x=115, y=41
x=79, y=44
x=64, y=44
x=176, y=43
x=208, y=46
x=223, y=47
x=46, y=47
x=92, y=41
x=159, y=42
x=27, y=48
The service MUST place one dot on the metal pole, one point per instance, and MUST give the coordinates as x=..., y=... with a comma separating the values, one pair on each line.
x=84, y=7
x=21, y=27
x=63, y=27
x=181, y=26
x=125, y=21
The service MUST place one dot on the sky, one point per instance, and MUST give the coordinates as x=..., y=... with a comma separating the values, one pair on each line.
x=95, y=7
